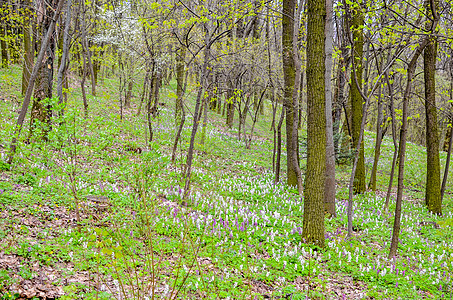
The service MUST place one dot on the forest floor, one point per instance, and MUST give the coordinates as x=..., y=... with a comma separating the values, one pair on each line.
x=97, y=213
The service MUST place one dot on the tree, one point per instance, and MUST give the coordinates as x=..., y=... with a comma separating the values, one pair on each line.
x=28, y=52
x=289, y=75
x=424, y=41
x=357, y=23
x=3, y=34
x=329, y=196
x=41, y=111
x=432, y=192
x=313, y=224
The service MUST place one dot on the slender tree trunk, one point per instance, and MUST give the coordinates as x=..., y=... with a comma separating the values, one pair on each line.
x=450, y=142
x=182, y=85
x=157, y=84
x=379, y=136
x=205, y=120
x=330, y=189
x=230, y=107
x=289, y=75
x=402, y=147
x=3, y=36
x=355, y=97
x=82, y=85
x=64, y=63
x=91, y=68
x=84, y=45
x=144, y=92
x=433, y=184
x=28, y=49
x=395, y=144
x=180, y=70
x=339, y=101
x=279, y=145
x=188, y=168
x=447, y=164
x=127, y=99
x=315, y=177
x=274, y=129
x=150, y=102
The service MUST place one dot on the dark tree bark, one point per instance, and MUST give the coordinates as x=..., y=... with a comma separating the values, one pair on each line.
x=380, y=131
x=402, y=152
x=403, y=137
x=313, y=223
x=289, y=75
x=395, y=143
x=447, y=163
x=28, y=49
x=180, y=70
x=279, y=146
x=82, y=85
x=3, y=35
x=150, y=102
x=433, y=185
x=450, y=142
x=230, y=106
x=144, y=92
x=203, y=74
x=355, y=97
x=127, y=99
x=41, y=112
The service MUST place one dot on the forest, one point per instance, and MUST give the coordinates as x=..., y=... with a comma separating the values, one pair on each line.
x=212, y=149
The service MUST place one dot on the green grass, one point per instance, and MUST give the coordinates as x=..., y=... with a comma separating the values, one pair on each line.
x=238, y=235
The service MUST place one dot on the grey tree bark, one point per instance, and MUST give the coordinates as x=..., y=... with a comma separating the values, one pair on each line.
x=330, y=190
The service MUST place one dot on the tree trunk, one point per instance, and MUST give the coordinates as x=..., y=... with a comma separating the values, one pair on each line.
x=450, y=142
x=330, y=189
x=279, y=146
x=315, y=180
x=395, y=144
x=356, y=98
x=64, y=63
x=205, y=120
x=379, y=136
x=289, y=75
x=28, y=50
x=447, y=163
x=180, y=70
x=230, y=107
x=149, y=102
x=82, y=85
x=42, y=111
x=188, y=168
x=402, y=146
x=144, y=92
x=433, y=184
x=339, y=101
x=91, y=68
x=127, y=99
x=157, y=84
x=3, y=36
